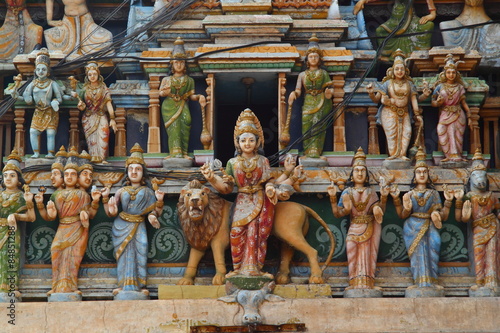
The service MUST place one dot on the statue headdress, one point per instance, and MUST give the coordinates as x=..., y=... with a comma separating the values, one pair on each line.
x=92, y=66
x=248, y=123
x=43, y=57
x=359, y=158
x=61, y=156
x=478, y=161
x=420, y=159
x=178, y=51
x=313, y=46
x=135, y=156
x=72, y=161
x=13, y=162
x=451, y=63
x=85, y=161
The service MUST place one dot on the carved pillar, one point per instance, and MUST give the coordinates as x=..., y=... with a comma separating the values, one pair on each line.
x=282, y=112
x=121, y=132
x=475, y=139
x=490, y=113
x=373, y=145
x=19, y=143
x=6, y=133
x=74, y=134
x=209, y=112
x=339, y=125
x=154, y=115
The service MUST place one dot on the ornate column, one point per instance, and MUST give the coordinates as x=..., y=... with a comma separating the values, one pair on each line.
x=154, y=115
x=373, y=145
x=6, y=132
x=209, y=112
x=475, y=139
x=339, y=143
x=19, y=142
x=490, y=113
x=121, y=132
x=283, y=127
x=74, y=134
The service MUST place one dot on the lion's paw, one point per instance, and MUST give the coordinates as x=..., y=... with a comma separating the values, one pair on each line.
x=219, y=279
x=314, y=279
x=185, y=282
x=282, y=278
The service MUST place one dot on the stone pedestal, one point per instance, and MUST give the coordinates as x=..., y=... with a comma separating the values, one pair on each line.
x=363, y=293
x=484, y=292
x=415, y=292
x=177, y=163
x=313, y=162
x=453, y=164
x=248, y=282
x=38, y=161
x=129, y=295
x=396, y=164
x=10, y=297
x=65, y=297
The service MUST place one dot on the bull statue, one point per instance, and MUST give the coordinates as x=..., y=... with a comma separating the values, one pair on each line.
x=250, y=300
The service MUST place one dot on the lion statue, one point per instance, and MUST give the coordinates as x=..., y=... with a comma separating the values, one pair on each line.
x=205, y=220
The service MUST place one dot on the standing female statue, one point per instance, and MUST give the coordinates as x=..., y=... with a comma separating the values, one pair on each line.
x=129, y=230
x=412, y=24
x=253, y=210
x=47, y=95
x=74, y=207
x=178, y=89
x=16, y=206
x=449, y=96
x=363, y=237
x=317, y=98
x=424, y=215
x=398, y=96
x=95, y=100
x=480, y=205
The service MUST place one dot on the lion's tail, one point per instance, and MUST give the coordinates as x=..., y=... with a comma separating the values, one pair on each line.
x=328, y=231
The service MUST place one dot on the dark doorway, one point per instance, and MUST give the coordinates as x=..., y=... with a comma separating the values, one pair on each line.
x=233, y=93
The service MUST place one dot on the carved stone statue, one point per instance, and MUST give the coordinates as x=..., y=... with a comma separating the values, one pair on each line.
x=95, y=102
x=18, y=34
x=479, y=206
x=424, y=215
x=485, y=39
x=74, y=207
x=398, y=96
x=178, y=89
x=253, y=215
x=412, y=24
x=449, y=96
x=46, y=94
x=130, y=239
x=363, y=237
x=76, y=33
x=317, y=99
x=16, y=206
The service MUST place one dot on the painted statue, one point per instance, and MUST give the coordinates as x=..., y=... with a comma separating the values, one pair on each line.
x=76, y=33
x=317, y=98
x=17, y=206
x=74, y=207
x=178, y=90
x=399, y=102
x=95, y=102
x=253, y=210
x=46, y=94
x=424, y=215
x=57, y=180
x=411, y=24
x=485, y=39
x=18, y=34
x=449, y=96
x=481, y=207
x=130, y=241
x=366, y=212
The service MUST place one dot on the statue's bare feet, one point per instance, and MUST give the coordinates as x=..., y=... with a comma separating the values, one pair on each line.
x=35, y=155
x=404, y=158
x=267, y=275
x=232, y=273
x=116, y=291
x=78, y=292
x=145, y=292
x=391, y=157
x=50, y=292
x=187, y=157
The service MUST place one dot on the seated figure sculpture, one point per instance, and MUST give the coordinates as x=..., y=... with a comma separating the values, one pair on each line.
x=76, y=33
x=412, y=24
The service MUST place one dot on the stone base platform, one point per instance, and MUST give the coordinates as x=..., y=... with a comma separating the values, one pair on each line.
x=448, y=314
